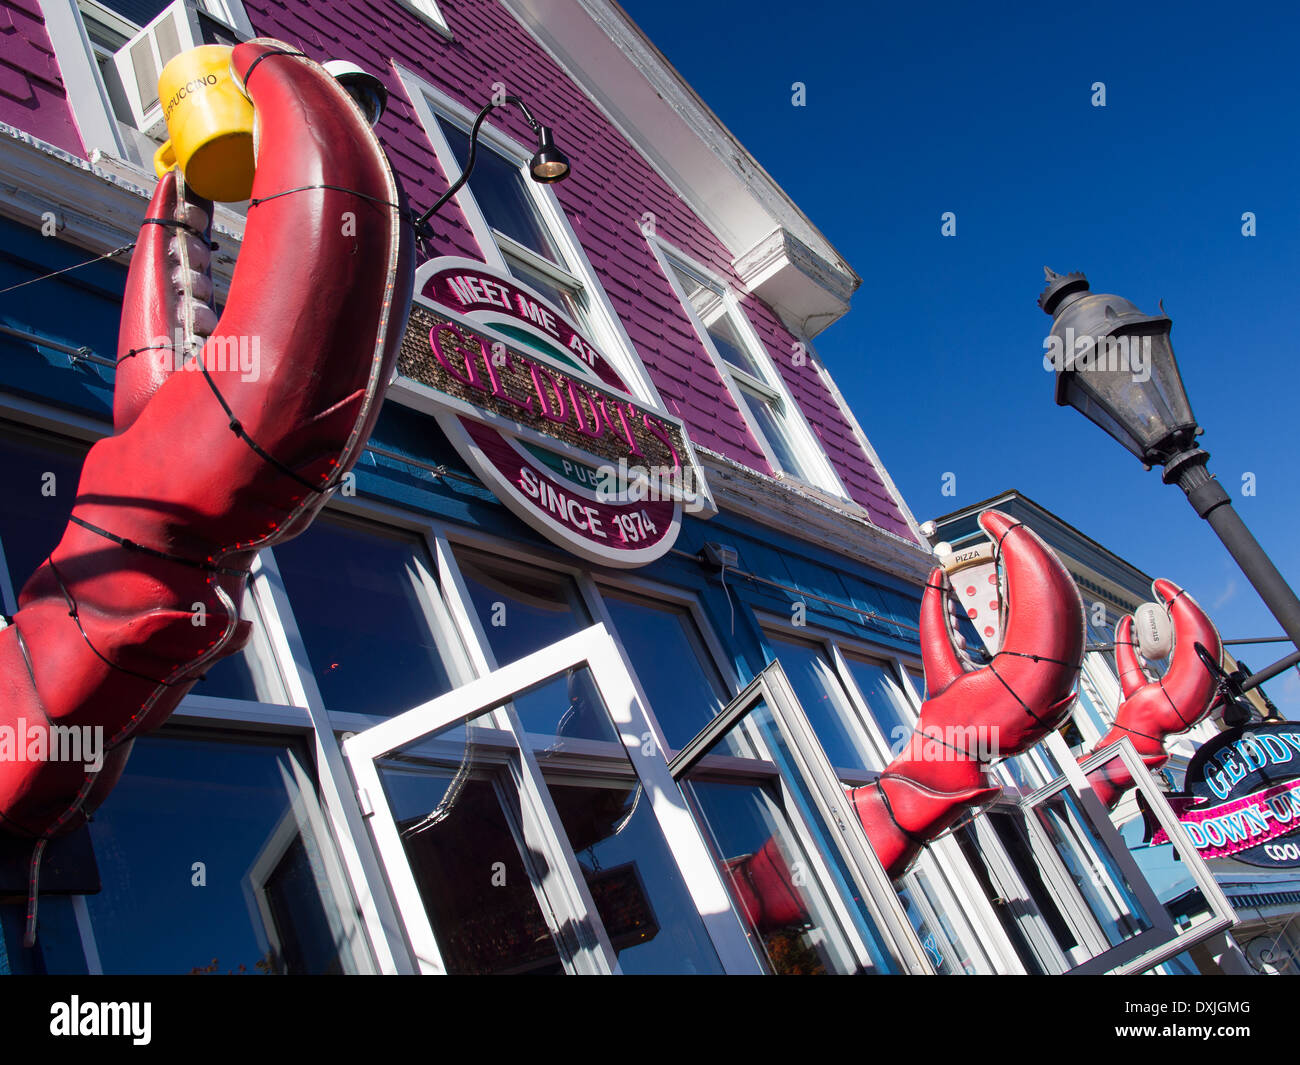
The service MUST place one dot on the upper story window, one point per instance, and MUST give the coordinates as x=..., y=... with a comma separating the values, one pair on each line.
x=428, y=11
x=112, y=85
x=520, y=227
x=775, y=422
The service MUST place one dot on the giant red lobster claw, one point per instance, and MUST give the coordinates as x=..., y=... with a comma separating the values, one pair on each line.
x=219, y=450
x=1007, y=706
x=1154, y=710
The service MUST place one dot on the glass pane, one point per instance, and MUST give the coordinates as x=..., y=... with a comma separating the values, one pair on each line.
x=1105, y=891
x=215, y=858
x=41, y=480
x=826, y=705
x=252, y=674
x=732, y=348
x=567, y=299
x=500, y=191
x=41, y=477
x=668, y=654
x=947, y=939
x=651, y=919
x=772, y=425
x=1088, y=704
x=885, y=700
x=358, y=596
x=760, y=833
x=521, y=608
x=713, y=311
x=457, y=813
x=1173, y=885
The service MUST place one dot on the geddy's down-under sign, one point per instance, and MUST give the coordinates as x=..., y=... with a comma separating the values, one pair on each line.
x=545, y=419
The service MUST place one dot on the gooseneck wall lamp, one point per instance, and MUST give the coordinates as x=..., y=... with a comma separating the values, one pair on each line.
x=547, y=166
x=1116, y=366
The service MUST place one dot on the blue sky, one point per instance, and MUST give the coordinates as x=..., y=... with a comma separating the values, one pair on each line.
x=986, y=111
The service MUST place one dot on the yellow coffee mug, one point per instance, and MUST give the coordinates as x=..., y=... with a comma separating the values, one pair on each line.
x=211, y=124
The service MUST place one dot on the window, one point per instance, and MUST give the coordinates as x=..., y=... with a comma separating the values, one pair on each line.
x=520, y=227
x=428, y=11
x=112, y=114
x=366, y=604
x=773, y=419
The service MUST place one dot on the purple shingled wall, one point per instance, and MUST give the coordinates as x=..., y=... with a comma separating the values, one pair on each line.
x=31, y=89
x=610, y=189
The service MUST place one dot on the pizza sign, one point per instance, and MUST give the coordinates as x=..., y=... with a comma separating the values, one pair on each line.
x=545, y=419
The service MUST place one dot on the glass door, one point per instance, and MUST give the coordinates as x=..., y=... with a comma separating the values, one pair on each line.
x=813, y=896
x=1095, y=896
x=525, y=824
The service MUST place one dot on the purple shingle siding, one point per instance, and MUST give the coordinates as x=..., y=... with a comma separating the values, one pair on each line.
x=610, y=189
x=32, y=96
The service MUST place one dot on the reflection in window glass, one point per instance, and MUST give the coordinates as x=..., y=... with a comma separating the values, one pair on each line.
x=359, y=597
x=456, y=809
x=521, y=608
x=651, y=919
x=251, y=674
x=1108, y=894
x=949, y=950
x=825, y=703
x=794, y=926
x=566, y=298
x=272, y=895
x=768, y=416
x=670, y=660
x=885, y=700
x=1173, y=885
x=41, y=478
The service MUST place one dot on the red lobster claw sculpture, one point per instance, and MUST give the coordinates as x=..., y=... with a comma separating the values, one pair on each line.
x=1017, y=699
x=1025, y=693
x=212, y=456
x=1154, y=710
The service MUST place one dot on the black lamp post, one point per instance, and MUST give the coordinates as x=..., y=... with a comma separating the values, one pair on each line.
x=1116, y=366
x=547, y=166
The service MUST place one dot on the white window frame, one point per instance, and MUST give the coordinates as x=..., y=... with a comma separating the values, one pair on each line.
x=594, y=648
x=607, y=329
x=428, y=12
x=87, y=95
x=948, y=869
x=818, y=472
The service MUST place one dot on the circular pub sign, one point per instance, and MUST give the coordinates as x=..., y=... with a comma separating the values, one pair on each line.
x=1241, y=797
x=544, y=418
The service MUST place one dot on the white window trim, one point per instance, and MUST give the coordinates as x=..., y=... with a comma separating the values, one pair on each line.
x=87, y=97
x=949, y=870
x=802, y=438
x=609, y=334
x=427, y=11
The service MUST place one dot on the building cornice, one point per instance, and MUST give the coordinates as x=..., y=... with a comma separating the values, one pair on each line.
x=795, y=267
x=96, y=204
x=795, y=511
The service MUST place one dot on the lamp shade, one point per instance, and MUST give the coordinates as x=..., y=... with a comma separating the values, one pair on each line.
x=549, y=164
x=1116, y=366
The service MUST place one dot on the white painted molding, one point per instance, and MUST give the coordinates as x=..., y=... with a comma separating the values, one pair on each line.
x=98, y=205
x=798, y=512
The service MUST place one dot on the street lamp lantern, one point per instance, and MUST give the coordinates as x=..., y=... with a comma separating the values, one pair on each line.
x=1116, y=367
